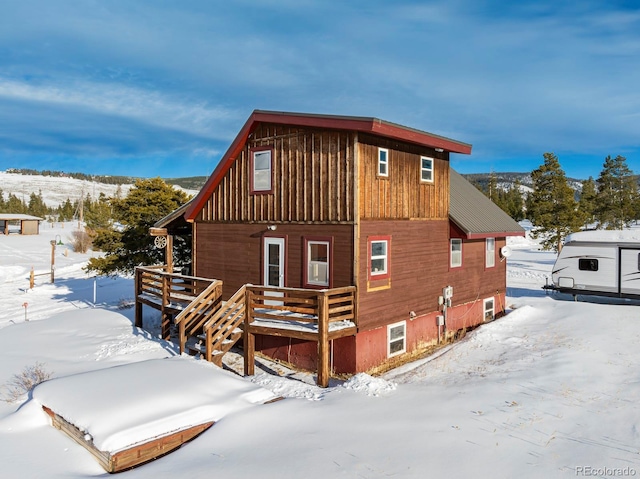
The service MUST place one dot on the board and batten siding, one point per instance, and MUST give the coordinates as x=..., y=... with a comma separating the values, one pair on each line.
x=313, y=179
x=401, y=195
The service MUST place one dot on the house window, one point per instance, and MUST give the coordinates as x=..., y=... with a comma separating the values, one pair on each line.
x=261, y=169
x=426, y=169
x=383, y=162
x=318, y=262
x=489, y=309
x=456, y=253
x=379, y=257
x=588, y=264
x=396, y=338
x=490, y=253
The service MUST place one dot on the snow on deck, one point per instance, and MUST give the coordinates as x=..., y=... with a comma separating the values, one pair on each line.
x=126, y=405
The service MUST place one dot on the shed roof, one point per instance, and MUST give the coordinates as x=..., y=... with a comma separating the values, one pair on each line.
x=475, y=214
x=370, y=125
x=15, y=216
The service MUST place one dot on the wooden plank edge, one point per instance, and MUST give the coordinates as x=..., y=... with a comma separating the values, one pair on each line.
x=131, y=457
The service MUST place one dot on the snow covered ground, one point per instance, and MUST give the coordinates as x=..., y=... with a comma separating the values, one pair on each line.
x=550, y=390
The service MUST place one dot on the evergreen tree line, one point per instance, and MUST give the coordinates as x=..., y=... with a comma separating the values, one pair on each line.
x=611, y=201
x=109, y=180
x=66, y=211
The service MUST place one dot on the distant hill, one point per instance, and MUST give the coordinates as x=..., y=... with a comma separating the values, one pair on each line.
x=506, y=180
x=188, y=183
x=56, y=189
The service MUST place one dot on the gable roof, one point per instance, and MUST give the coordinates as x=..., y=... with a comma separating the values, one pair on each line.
x=373, y=126
x=475, y=214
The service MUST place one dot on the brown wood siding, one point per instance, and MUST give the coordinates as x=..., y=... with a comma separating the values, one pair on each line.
x=419, y=266
x=401, y=195
x=418, y=263
x=472, y=281
x=313, y=174
x=233, y=253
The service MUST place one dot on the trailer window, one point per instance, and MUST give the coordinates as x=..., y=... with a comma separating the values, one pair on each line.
x=587, y=264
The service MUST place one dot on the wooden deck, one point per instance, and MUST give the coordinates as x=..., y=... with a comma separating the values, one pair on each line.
x=306, y=314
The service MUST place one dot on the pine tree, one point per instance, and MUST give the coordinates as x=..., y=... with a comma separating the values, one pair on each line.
x=36, y=206
x=132, y=245
x=617, y=194
x=587, y=202
x=15, y=205
x=551, y=205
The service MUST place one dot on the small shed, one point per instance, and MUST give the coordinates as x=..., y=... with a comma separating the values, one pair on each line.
x=28, y=225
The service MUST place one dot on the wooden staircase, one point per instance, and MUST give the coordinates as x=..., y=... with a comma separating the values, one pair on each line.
x=223, y=330
x=207, y=320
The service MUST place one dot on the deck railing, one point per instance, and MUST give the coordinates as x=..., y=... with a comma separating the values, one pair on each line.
x=171, y=293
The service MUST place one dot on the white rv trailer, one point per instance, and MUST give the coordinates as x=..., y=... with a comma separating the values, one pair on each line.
x=600, y=263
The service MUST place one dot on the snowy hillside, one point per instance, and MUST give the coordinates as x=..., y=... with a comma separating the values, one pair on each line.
x=56, y=190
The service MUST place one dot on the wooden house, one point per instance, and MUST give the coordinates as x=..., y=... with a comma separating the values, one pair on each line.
x=360, y=207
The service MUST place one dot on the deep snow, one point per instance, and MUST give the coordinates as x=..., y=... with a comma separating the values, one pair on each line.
x=550, y=390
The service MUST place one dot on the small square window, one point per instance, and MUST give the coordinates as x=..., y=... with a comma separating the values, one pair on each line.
x=456, y=253
x=383, y=162
x=490, y=253
x=396, y=338
x=426, y=169
x=588, y=264
x=489, y=309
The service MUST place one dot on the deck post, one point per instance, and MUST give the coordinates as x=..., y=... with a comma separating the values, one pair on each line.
x=249, y=339
x=165, y=329
x=138, y=286
x=323, y=340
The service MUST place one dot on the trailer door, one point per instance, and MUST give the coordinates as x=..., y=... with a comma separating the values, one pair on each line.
x=629, y=280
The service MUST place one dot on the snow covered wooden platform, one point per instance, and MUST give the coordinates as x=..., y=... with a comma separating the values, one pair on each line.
x=132, y=414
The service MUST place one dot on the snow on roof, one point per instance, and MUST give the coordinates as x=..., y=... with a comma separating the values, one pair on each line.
x=126, y=405
x=605, y=236
x=17, y=216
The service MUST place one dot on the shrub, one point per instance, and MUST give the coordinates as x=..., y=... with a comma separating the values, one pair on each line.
x=23, y=383
x=81, y=241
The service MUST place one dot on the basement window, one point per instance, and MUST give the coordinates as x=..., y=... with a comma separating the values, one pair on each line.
x=588, y=264
x=489, y=309
x=261, y=170
x=383, y=162
x=396, y=338
x=456, y=253
x=426, y=169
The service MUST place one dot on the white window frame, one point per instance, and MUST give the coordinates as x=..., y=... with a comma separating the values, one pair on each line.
x=310, y=263
x=402, y=338
x=384, y=256
x=424, y=170
x=383, y=164
x=489, y=252
x=486, y=309
x=456, y=264
x=269, y=174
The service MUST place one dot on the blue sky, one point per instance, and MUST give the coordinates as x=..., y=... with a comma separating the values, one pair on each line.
x=161, y=87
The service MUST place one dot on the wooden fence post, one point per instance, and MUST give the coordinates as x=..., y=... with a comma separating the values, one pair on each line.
x=32, y=279
x=249, y=339
x=323, y=340
x=165, y=327
x=138, y=289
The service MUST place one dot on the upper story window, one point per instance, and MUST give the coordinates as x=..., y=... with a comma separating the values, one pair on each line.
x=490, y=253
x=379, y=257
x=261, y=171
x=383, y=162
x=426, y=169
x=456, y=253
